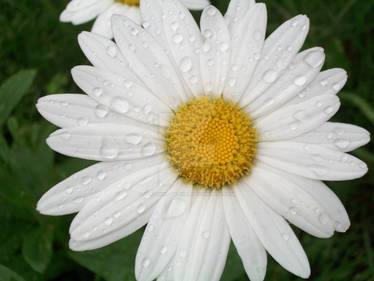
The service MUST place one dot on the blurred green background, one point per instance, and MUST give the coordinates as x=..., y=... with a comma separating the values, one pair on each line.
x=36, y=55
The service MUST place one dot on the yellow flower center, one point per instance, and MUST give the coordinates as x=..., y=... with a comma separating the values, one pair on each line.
x=129, y=2
x=211, y=142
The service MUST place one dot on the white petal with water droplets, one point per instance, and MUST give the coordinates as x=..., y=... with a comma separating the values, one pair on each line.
x=294, y=120
x=107, y=142
x=103, y=24
x=73, y=193
x=149, y=61
x=104, y=53
x=121, y=95
x=122, y=203
x=311, y=161
x=161, y=236
x=340, y=136
x=306, y=66
x=111, y=237
x=329, y=202
x=201, y=253
x=274, y=232
x=236, y=11
x=279, y=50
x=249, y=247
x=80, y=11
x=184, y=41
x=289, y=200
x=328, y=82
x=247, y=38
x=215, y=52
x=74, y=110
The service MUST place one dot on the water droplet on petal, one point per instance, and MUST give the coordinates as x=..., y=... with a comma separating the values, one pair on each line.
x=185, y=64
x=120, y=105
x=133, y=139
x=300, y=81
x=270, y=76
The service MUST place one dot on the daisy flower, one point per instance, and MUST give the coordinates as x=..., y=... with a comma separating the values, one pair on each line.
x=81, y=11
x=205, y=136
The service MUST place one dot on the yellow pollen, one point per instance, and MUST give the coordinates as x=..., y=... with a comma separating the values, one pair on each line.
x=211, y=142
x=129, y=2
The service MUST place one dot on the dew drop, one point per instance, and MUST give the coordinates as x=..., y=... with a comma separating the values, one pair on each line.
x=101, y=175
x=108, y=151
x=133, y=139
x=178, y=38
x=146, y=263
x=141, y=209
x=101, y=111
x=300, y=81
x=163, y=250
x=341, y=143
x=108, y=221
x=149, y=149
x=177, y=207
x=270, y=76
x=314, y=59
x=111, y=51
x=324, y=219
x=328, y=110
x=97, y=92
x=185, y=64
x=293, y=211
x=120, y=105
x=286, y=236
x=82, y=122
x=69, y=190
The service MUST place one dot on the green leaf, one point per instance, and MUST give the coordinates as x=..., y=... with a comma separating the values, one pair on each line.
x=115, y=262
x=365, y=107
x=7, y=274
x=12, y=90
x=37, y=248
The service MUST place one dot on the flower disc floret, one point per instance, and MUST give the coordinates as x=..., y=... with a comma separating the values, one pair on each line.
x=211, y=142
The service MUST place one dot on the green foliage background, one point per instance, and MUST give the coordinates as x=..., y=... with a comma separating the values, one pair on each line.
x=36, y=55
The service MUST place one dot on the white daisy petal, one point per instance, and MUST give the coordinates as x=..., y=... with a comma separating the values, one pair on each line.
x=329, y=202
x=311, y=161
x=327, y=82
x=278, y=52
x=113, y=236
x=182, y=36
x=195, y=4
x=121, y=95
x=103, y=24
x=107, y=142
x=247, y=38
x=340, y=136
x=104, y=54
x=290, y=201
x=249, y=247
x=149, y=61
x=236, y=11
x=79, y=12
x=73, y=193
x=294, y=120
x=73, y=110
x=306, y=66
x=274, y=232
x=201, y=254
x=161, y=236
x=122, y=203
x=215, y=52
x=152, y=19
